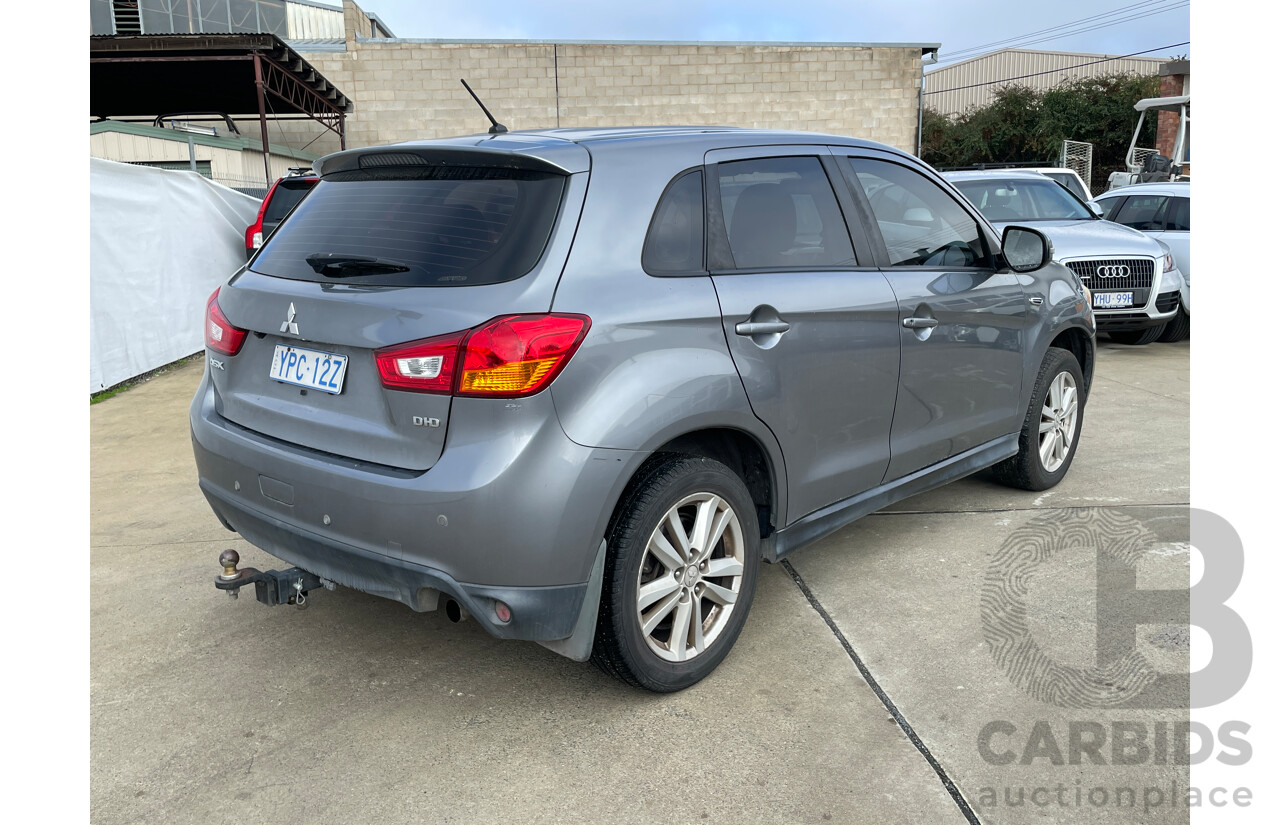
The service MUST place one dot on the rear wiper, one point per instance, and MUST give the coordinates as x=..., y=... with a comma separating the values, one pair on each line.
x=335, y=264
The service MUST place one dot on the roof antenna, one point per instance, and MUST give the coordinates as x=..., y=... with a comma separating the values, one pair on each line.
x=497, y=128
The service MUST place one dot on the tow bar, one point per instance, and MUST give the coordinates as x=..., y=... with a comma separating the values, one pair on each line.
x=272, y=587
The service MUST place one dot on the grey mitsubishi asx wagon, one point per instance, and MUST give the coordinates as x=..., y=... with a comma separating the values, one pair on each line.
x=579, y=384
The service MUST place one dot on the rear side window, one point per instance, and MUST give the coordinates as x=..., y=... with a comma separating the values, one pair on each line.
x=781, y=213
x=675, y=242
x=286, y=196
x=435, y=226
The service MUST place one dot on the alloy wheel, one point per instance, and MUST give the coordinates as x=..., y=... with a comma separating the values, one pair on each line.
x=1058, y=421
x=690, y=577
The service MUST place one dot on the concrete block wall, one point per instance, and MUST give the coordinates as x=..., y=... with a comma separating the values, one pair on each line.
x=409, y=89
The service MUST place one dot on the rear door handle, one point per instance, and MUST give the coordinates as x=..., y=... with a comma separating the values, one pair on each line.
x=761, y=327
x=919, y=323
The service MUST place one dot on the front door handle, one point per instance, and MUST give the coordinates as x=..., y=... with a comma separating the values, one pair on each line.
x=762, y=327
x=919, y=323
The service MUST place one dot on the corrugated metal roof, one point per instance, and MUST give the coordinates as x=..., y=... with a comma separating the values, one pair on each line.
x=971, y=83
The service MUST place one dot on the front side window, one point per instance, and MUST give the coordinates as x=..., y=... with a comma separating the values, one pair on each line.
x=781, y=213
x=1110, y=206
x=920, y=223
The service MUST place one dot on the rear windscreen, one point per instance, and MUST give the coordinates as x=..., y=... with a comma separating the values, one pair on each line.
x=286, y=196
x=437, y=226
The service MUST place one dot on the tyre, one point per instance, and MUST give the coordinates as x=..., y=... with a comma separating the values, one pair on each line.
x=1051, y=429
x=684, y=553
x=1179, y=329
x=1138, y=337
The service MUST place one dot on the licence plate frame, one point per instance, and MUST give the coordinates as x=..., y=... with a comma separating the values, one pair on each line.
x=309, y=368
x=1112, y=300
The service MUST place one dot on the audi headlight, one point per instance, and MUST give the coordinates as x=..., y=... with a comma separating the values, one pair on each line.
x=1168, y=261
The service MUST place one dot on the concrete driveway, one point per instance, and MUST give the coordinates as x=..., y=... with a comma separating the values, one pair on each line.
x=865, y=687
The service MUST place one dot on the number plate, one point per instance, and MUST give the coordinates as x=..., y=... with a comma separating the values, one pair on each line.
x=1112, y=300
x=309, y=368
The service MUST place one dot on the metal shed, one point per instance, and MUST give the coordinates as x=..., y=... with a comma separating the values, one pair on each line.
x=138, y=78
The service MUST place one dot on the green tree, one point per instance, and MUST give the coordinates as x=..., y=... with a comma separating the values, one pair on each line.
x=1022, y=125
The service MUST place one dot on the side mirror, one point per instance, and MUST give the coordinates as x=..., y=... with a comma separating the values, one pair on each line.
x=1026, y=250
x=1095, y=208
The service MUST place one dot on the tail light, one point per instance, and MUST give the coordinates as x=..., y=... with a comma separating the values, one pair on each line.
x=219, y=335
x=510, y=356
x=253, y=235
x=421, y=366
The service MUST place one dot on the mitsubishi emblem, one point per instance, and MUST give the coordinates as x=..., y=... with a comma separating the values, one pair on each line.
x=289, y=325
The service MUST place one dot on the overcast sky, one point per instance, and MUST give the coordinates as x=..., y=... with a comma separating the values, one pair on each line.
x=958, y=26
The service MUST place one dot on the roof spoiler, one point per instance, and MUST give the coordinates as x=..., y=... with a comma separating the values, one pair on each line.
x=411, y=155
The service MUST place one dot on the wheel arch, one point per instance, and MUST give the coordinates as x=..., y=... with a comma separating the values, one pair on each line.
x=1080, y=344
x=740, y=451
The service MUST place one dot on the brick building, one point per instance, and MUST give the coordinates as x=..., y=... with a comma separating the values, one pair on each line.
x=1175, y=81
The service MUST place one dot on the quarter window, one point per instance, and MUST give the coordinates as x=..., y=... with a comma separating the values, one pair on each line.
x=675, y=241
x=781, y=213
x=920, y=223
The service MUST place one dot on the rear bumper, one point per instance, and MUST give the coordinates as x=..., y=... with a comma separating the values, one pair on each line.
x=512, y=511
x=537, y=613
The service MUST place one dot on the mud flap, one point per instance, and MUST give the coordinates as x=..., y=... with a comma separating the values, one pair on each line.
x=578, y=645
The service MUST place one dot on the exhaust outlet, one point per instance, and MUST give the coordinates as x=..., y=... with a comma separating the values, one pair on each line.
x=454, y=611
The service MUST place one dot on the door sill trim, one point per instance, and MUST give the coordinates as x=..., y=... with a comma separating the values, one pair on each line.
x=831, y=518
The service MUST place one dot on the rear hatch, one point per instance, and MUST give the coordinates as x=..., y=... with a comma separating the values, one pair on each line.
x=403, y=246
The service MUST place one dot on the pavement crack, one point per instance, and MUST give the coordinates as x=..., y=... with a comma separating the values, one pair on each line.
x=912, y=736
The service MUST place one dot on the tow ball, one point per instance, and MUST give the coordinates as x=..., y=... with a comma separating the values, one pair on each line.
x=271, y=587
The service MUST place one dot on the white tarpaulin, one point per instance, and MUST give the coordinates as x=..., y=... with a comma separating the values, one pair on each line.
x=159, y=243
